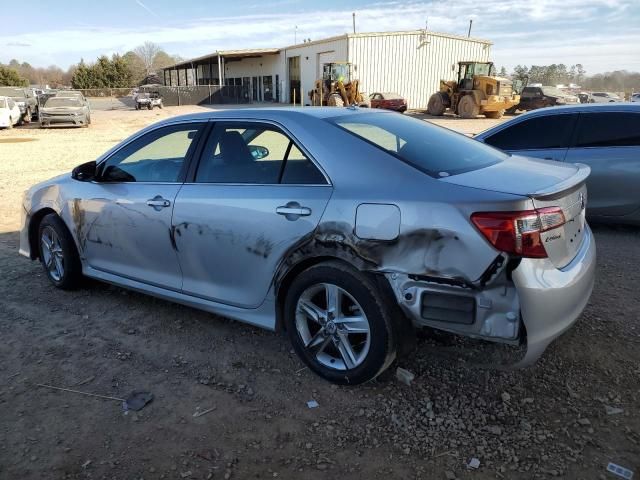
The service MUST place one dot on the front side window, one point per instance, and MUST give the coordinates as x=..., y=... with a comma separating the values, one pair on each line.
x=434, y=150
x=538, y=133
x=253, y=153
x=611, y=129
x=158, y=156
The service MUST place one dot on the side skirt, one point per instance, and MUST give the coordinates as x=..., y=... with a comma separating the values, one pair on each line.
x=264, y=316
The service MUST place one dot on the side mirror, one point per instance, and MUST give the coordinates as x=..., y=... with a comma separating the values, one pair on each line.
x=258, y=152
x=85, y=172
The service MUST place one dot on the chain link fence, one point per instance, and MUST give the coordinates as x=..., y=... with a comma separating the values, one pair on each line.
x=124, y=98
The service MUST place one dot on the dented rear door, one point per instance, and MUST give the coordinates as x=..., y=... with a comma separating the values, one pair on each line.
x=237, y=218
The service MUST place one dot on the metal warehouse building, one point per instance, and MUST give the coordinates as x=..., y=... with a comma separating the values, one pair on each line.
x=410, y=63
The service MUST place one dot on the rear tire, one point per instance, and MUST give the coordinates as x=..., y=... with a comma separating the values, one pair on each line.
x=436, y=106
x=58, y=253
x=497, y=114
x=339, y=325
x=467, y=107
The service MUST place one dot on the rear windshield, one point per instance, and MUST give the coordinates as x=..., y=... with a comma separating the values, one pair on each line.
x=437, y=151
x=62, y=102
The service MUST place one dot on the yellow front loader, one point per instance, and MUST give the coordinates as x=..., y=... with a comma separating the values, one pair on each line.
x=476, y=92
x=336, y=88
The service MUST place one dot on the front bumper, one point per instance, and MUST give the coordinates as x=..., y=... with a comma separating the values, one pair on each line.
x=74, y=120
x=494, y=103
x=551, y=299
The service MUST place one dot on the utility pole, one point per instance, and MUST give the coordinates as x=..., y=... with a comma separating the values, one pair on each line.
x=354, y=22
x=295, y=35
x=470, y=23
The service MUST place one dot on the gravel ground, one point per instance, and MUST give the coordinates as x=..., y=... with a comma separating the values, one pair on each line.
x=566, y=417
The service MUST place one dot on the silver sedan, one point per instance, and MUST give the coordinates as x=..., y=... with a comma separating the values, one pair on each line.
x=348, y=228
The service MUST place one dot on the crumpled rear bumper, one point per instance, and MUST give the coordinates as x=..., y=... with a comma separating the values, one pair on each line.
x=551, y=299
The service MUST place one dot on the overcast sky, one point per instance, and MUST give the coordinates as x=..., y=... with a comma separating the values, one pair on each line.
x=603, y=35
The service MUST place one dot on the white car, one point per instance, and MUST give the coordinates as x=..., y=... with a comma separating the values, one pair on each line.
x=635, y=97
x=604, y=97
x=9, y=113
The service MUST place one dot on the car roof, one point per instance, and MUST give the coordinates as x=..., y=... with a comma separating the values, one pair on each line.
x=563, y=109
x=584, y=108
x=284, y=113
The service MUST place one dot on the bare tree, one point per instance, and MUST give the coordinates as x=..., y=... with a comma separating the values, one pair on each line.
x=147, y=52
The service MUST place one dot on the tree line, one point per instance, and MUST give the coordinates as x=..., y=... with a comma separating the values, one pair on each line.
x=119, y=71
x=556, y=74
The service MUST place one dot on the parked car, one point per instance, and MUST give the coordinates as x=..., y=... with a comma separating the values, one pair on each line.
x=388, y=101
x=540, y=97
x=9, y=112
x=635, y=98
x=73, y=94
x=605, y=137
x=70, y=111
x=24, y=99
x=330, y=223
x=148, y=100
x=604, y=97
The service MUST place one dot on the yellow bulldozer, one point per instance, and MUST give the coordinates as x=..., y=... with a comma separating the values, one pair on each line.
x=336, y=88
x=477, y=91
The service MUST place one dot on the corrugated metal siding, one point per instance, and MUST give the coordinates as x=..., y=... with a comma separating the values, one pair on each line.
x=310, y=57
x=411, y=64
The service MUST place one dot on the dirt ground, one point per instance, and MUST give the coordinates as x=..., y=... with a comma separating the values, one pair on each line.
x=231, y=400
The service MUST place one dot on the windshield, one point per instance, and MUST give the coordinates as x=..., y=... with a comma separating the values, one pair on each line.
x=11, y=92
x=62, y=102
x=68, y=94
x=3, y=103
x=553, y=91
x=391, y=96
x=482, y=69
x=437, y=151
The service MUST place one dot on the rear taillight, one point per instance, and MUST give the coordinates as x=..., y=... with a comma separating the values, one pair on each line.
x=519, y=232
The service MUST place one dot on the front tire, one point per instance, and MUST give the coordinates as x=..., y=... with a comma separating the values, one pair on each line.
x=335, y=100
x=467, y=107
x=58, y=253
x=339, y=325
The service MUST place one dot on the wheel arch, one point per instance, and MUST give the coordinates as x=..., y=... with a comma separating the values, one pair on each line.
x=288, y=273
x=34, y=225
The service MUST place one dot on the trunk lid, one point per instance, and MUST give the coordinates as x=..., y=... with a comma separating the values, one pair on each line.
x=548, y=184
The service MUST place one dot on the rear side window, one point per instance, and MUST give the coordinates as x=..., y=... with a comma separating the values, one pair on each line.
x=254, y=153
x=538, y=133
x=612, y=129
x=436, y=151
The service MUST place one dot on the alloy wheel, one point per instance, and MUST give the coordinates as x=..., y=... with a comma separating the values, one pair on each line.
x=333, y=327
x=52, y=254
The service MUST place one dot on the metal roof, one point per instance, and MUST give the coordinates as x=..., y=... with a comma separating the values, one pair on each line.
x=242, y=53
x=256, y=52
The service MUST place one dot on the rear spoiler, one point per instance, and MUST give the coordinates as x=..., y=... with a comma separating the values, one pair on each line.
x=561, y=188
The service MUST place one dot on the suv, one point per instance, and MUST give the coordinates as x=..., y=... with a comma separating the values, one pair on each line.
x=605, y=137
x=25, y=100
x=540, y=97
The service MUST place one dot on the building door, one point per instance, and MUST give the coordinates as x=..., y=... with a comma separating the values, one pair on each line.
x=267, y=88
x=255, y=89
x=294, y=80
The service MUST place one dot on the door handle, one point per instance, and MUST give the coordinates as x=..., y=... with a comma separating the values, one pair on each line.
x=293, y=211
x=158, y=202
x=300, y=211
